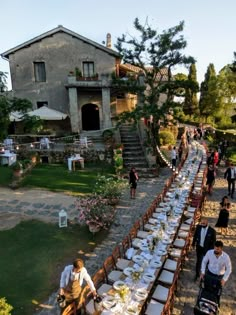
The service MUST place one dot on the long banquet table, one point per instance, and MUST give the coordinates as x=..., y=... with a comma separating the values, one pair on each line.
x=163, y=237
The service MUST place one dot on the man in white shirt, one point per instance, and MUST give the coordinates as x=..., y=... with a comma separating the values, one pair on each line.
x=72, y=279
x=218, y=263
x=173, y=157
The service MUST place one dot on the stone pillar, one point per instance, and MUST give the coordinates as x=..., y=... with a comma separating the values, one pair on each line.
x=106, y=109
x=73, y=109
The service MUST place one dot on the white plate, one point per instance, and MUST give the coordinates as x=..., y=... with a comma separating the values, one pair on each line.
x=155, y=264
x=166, y=241
x=128, y=271
x=131, y=310
x=108, y=302
x=147, y=277
x=118, y=285
x=161, y=252
x=144, y=248
x=141, y=294
x=170, y=231
x=138, y=259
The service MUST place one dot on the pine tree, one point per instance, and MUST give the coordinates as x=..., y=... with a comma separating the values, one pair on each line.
x=191, y=102
x=209, y=104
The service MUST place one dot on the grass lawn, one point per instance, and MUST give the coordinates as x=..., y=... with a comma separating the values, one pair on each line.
x=33, y=255
x=56, y=177
x=5, y=175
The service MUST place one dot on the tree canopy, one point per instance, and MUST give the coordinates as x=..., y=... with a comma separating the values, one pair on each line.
x=191, y=102
x=7, y=106
x=209, y=103
x=155, y=54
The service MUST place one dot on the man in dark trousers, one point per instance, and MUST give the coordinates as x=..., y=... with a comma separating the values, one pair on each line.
x=204, y=238
x=230, y=175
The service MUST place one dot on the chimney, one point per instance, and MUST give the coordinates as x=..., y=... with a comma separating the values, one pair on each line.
x=108, y=43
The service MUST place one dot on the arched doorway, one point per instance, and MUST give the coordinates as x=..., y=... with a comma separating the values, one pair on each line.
x=90, y=117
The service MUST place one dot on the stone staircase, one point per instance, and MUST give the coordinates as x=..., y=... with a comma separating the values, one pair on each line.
x=133, y=155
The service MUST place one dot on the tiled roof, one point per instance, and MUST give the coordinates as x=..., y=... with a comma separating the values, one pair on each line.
x=128, y=67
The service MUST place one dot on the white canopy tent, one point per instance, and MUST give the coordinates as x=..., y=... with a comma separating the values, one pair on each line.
x=46, y=113
x=16, y=116
x=43, y=113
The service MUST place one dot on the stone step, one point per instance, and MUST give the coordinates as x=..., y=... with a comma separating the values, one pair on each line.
x=132, y=153
x=130, y=139
x=133, y=163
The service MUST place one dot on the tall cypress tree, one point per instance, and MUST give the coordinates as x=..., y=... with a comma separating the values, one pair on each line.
x=209, y=101
x=191, y=102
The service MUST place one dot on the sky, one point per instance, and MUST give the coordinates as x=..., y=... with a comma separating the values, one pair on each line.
x=210, y=25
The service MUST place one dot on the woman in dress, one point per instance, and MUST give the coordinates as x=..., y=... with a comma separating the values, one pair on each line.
x=133, y=178
x=223, y=219
x=210, y=178
x=224, y=201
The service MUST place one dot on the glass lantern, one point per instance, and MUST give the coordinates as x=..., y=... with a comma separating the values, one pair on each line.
x=62, y=218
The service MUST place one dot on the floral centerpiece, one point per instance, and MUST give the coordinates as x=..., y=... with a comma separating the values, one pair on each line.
x=136, y=276
x=95, y=212
x=124, y=292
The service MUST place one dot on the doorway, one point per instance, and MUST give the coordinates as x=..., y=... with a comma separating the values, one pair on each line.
x=90, y=117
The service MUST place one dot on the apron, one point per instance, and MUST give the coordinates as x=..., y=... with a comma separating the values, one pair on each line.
x=72, y=291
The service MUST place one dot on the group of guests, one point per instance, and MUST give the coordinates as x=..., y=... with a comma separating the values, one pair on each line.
x=229, y=175
x=211, y=260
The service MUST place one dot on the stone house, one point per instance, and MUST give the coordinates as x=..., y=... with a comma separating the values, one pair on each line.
x=69, y=73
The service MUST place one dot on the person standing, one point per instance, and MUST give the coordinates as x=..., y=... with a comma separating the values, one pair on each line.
x=173, y=158
x=210, y=178
x=72, y=279
x=215, y=158
x=216, y=263
x=223, y=219
x=224, y=201
x=204, y=238
x=133, y=179
x=230, y=176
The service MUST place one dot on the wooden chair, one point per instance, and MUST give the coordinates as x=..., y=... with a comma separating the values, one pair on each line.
x=112, y=274
x=73, y=308
x=125, y=245
x=70, y=309
x=120, y=262
x=100, y=282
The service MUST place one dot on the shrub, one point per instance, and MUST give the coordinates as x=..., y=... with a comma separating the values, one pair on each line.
x=5, y=308
x=95, y=211
x=16, y=166
x=166, y=137
x=109, y=187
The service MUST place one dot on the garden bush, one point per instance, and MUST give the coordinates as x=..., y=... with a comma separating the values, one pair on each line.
x=166, y=137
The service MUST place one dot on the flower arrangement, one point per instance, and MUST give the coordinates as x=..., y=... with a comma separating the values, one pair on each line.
x=136, y=276
x=124, y=292
x=109, y=187
x=95, y=211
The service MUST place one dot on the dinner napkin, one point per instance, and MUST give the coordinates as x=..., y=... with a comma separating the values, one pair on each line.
x=129, y=253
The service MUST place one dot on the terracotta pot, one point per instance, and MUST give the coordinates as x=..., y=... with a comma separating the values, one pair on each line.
x=17, y=173
x=94, y=228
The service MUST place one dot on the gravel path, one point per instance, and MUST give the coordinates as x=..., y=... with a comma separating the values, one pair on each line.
x=187, y=288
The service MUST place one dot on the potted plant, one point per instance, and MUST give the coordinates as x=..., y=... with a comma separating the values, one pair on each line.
x=17, y=169
x=95, y=212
